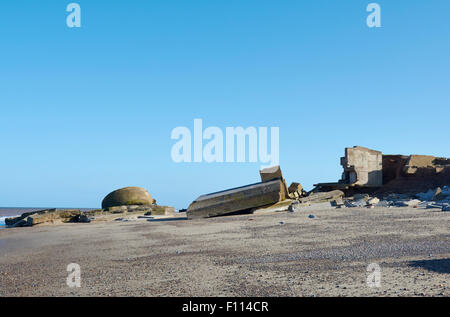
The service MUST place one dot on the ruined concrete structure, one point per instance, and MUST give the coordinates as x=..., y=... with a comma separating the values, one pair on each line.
x=414, y=173
x=271, y=190
x=128, y=196
x=365, y=171
x=271, y=173
x=240, y=199
x=362, y=167
x=371, y=171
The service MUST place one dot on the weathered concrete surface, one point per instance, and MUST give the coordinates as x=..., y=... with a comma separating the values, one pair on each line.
x=54, y=216
x=237, y=199
x=372, y=172
x=322, y=197
x=414, y=173
x=62, y=216
x=295, y=187
x=271, y=173
x=281, y=206
x=296, y=191
x=127, y=196
x=236, y=256
x=362, y=167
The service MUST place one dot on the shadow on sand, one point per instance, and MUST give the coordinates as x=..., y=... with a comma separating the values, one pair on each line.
x=439, y=266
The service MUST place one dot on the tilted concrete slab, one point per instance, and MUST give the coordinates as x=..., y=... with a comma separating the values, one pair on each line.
x=271, y=173
x=237, y=199
x=322, y=196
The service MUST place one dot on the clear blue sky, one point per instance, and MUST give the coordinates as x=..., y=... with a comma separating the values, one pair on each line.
x=86, y=111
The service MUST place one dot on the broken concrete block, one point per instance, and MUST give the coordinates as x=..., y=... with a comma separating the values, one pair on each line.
x=44, y=216
x=296, y=191
x=297, y=206
x=237, y=199
x=271, y=173
x=128, y=196
x=362, y=200
x=362, y=167
x=322, y=196
x=295, y=187
x=338, y=202
x=281, y=206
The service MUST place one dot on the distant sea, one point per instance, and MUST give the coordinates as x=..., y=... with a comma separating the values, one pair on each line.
x=6, y=212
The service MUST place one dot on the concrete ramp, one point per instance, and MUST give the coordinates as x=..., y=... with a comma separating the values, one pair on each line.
x=237, y=199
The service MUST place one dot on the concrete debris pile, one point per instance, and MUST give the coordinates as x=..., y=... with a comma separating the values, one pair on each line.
x=246, y=199
x=437, y=199
x=370, y=179
x=369, y=171
x=126, y=202
x=363, y=168
x=44, y=216
x=414, y=173
x=271, y=194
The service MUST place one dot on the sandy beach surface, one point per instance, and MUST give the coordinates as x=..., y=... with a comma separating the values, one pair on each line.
x=273, y=254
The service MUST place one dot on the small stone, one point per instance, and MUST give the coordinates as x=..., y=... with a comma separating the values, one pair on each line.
x=338, y=202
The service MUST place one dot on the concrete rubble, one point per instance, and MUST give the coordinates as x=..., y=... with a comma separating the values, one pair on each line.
x=128, y=203
x=370, y=179
x=363, y=167
x=60, y=216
